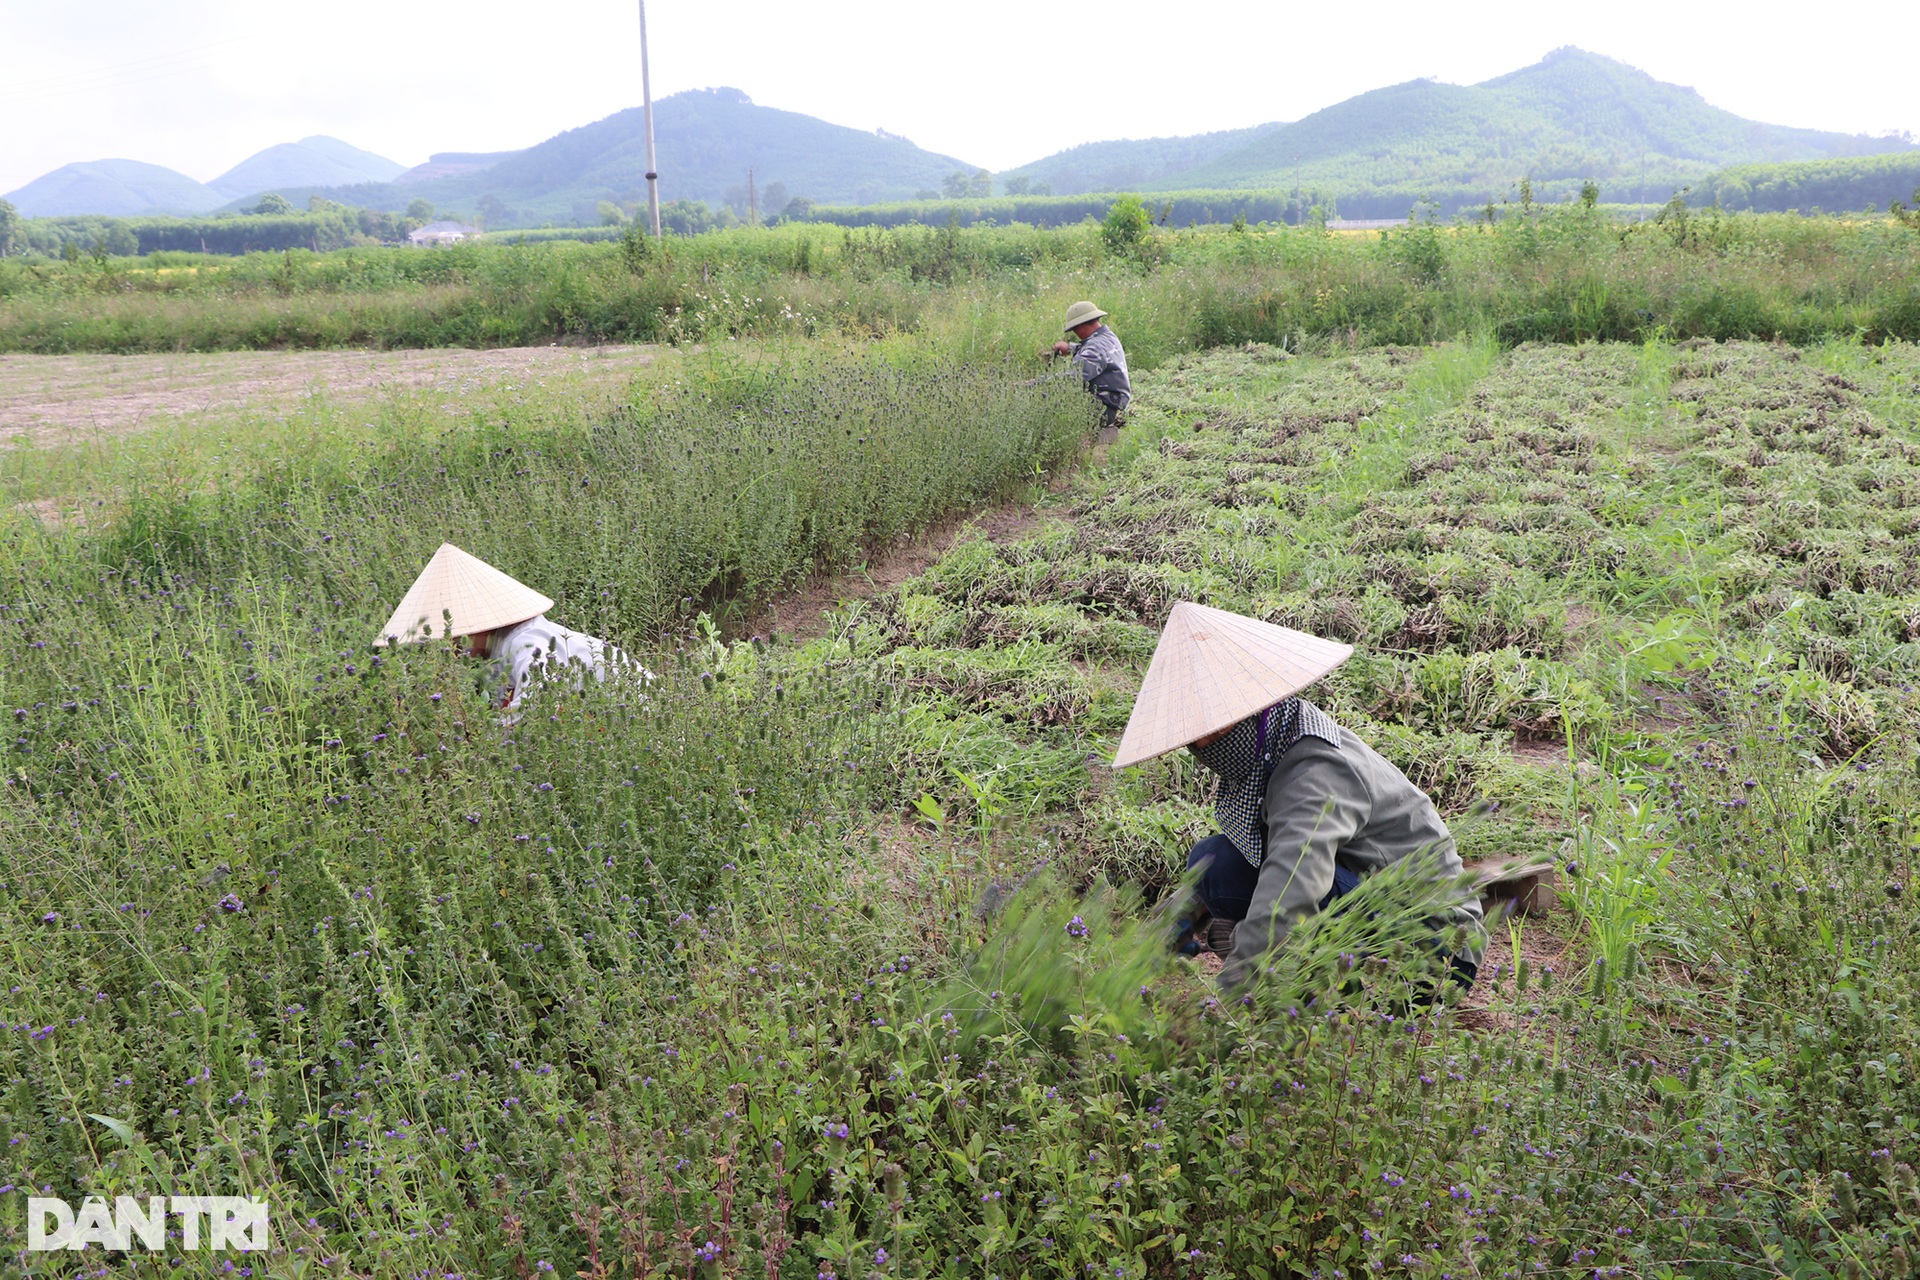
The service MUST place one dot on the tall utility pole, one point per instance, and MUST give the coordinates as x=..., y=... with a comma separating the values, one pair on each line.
x=753, y=210
x=646, y=107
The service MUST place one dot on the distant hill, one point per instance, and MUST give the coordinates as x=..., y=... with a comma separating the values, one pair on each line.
x=113, y=188
x=124, y=188
x=1117, y=166
x=1570, y=117
x=450, y=164
x=707, y=140
x=318, y=161
x=1567, y=119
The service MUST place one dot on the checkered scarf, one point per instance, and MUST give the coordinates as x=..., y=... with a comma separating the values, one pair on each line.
x=1244, y=761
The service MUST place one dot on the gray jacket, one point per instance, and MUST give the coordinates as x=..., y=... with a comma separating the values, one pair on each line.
x=1103, y=363
x=1344, y=804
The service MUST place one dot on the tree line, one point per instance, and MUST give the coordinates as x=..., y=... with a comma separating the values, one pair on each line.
x=1833, y=186
x=1843, y=185
x=270, y=226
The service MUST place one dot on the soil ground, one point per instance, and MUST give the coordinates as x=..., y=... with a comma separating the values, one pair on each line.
x=805, y=614
x=1493, y=1005
x=55, y=398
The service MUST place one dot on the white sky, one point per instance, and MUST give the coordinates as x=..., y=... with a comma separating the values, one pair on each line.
x=198, y=85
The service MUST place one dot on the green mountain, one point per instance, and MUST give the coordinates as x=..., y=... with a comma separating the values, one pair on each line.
x=1571, y=117
x=112, y=188
x=706, y=139
x=318, y=161
x=1129, y=163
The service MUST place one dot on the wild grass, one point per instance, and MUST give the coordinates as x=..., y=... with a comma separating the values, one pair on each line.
x=713, y=488
x=1555, y=274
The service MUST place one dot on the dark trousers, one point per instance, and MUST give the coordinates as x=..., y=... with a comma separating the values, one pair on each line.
x=1227, y=879
x=1226, y=884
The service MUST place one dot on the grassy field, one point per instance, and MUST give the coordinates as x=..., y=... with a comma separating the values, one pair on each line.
x=1540, y=273
x=834, y=959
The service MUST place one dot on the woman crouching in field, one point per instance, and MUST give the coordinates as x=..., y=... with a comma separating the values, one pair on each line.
x=505, y=621
x=1306, y=809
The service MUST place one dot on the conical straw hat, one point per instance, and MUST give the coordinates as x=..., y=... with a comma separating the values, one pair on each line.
x=1213, y=669
x=479, y=597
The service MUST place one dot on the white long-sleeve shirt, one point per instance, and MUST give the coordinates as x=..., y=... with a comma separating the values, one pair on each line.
x=540, y=649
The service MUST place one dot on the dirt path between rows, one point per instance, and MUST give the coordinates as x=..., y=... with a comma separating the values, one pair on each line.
x=56, y=398
x=806, y=614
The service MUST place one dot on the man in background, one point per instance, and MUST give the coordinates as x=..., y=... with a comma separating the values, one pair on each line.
x=1103, y=363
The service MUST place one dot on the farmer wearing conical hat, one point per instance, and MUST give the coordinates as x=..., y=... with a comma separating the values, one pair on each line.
x=1103, y=364
x=505, y=620
x=1306, y=809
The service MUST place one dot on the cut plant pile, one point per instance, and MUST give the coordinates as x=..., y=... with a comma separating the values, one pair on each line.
x=658, y=982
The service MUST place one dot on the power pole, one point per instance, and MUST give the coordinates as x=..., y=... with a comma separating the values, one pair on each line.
x=753, y=209
x=646, y=108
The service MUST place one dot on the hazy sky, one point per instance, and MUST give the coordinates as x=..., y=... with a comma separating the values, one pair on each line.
x=198, y=85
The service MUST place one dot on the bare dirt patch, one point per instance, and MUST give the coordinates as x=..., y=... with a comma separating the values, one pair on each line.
x=1541, y=753
x=57, y=513
x=803, y=615
x=52, y=398
x=1543, y=946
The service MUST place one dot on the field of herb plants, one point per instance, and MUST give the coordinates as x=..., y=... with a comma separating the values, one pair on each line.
x=834, y=958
